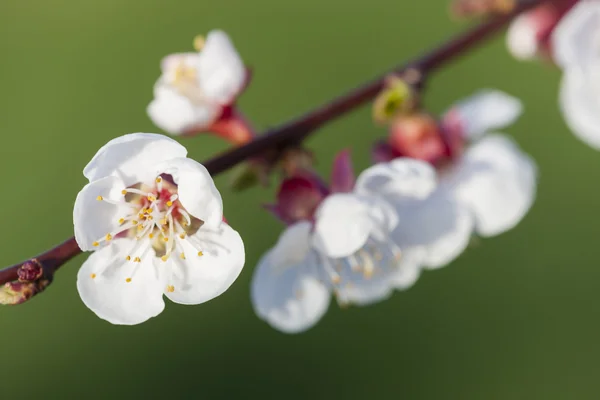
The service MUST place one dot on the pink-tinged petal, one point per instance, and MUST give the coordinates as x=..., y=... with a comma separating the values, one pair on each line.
x=342, y=175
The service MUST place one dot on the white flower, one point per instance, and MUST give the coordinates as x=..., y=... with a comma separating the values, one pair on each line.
x=346, y=251
x=575, y=42
x=522, y=37
x=194, y=87
x=154, y=219
x=486, y=190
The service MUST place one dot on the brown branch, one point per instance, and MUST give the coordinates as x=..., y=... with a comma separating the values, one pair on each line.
x=294, y=131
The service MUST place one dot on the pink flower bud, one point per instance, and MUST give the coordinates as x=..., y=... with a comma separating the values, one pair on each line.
x=417, y=136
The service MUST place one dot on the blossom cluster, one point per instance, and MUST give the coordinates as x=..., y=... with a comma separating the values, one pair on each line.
x=154, y=220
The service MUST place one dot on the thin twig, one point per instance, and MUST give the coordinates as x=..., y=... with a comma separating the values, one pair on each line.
x=296, y=130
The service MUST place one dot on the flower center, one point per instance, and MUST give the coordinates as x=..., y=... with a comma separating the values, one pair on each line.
x=156, y=219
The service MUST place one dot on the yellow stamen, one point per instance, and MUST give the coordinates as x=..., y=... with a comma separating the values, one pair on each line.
x=93, y=276
x=166, y=239
x=164, y=258
x=134, y=222
x=121, y=221
x=123, y=192
x=169, y=203
x=137, y=259
x=151, y=235
x=95, y=244
x=128, y=280
x=108, y=237
x=182, y=236
x=200, y=254
x=151, y=198
x=170, y=288
x=158, y=179
x=163, y=221
x=182, y=256
x=99, y=198
x=128, y=258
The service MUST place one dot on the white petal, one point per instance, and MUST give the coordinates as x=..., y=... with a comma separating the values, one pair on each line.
x=221, y=71
x=175, y=113
x=93, y=219
x=497, y=181
x=371, y=274
x=133, y=157
x=196, y=188
x=487, y=110
x=343, y=224
x=102, y=285
x=521, y=38
x=171, y=63
x=402, y=177
x=286, y=291
x=576, y=37
x=201, y=278
x=580, y=104
x=438, y=227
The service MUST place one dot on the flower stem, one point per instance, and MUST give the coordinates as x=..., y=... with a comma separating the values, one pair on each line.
x=294, y=131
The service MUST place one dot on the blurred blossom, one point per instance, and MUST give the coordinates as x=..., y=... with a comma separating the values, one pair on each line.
x=338, y=240
x=529, y=35
x=154, y=221
x=576, y=44
x=196, y=91
x=486, y=186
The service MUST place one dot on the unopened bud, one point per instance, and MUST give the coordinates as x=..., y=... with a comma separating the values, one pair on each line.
x=30, y=271
x=396, y=98
x=417, y=136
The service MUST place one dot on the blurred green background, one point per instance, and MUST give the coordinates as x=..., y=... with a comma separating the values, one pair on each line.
x=516, y=317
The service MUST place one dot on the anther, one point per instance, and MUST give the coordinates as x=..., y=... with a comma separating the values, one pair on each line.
x=137, y=259
x=182, y=236
x=123, y=192
x=182, y=256
x=169, y=203
x=128, y=280
x=128, y=258
x=166, y=239
x=200, y=254
x=93, y=276
x=170, y=288
x=164, y=258
x=108, y=237
x=151, y=235
x=158, y=179
x=99, y=198
x=95, y=244
x=134, y=222
x=121, y=221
